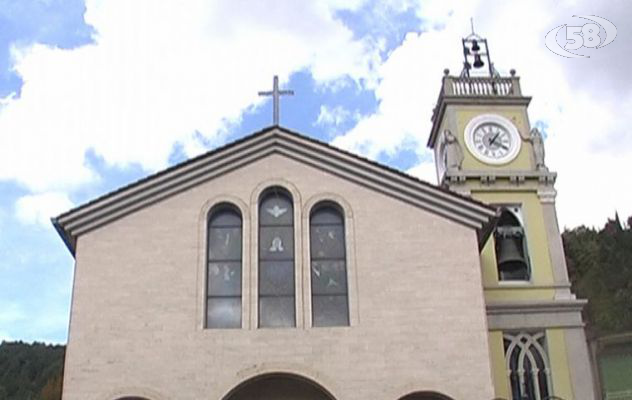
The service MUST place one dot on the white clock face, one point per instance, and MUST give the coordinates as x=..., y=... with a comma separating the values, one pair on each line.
x=492, y=139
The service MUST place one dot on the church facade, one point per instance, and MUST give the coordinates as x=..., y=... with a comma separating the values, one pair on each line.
x=279, y=267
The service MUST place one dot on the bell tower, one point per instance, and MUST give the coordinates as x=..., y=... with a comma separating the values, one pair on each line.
x=486, y=148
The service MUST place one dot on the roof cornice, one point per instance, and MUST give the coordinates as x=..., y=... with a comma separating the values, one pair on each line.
x=272, y=140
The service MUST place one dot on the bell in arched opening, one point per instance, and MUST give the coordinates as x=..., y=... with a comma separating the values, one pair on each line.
x=511, y=254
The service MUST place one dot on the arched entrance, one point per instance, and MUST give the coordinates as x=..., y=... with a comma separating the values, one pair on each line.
x=279, y=387
x=425, y=396
x=131, y=398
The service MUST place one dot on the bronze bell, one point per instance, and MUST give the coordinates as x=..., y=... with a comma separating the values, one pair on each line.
x=477, y=61
x=512, y=264
x=475, y=46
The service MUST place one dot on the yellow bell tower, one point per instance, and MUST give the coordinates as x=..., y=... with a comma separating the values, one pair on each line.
x=485, y=147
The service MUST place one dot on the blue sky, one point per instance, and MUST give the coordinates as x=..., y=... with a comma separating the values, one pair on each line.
x=97, y=94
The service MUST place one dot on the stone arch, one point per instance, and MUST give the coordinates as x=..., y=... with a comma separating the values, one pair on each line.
x=425, y=395
x=279, y=386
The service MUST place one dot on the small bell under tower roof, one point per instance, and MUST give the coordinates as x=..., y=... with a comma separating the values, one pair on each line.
x=476, y=56
x=479, y=84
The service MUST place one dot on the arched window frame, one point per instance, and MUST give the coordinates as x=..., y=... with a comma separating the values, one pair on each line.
x=342, y=291
x=528, y=349
x=265, y=259
x=235, y=258
x=516, y=211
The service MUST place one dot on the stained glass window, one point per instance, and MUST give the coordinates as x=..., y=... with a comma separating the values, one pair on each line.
x=330, y=303
x=276, y=260
x=223, y=301
x=527, y=366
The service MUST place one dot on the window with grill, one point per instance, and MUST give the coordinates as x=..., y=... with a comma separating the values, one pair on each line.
x=527, y=366
x=330, y=303
x=276, y=260
x=223, y=301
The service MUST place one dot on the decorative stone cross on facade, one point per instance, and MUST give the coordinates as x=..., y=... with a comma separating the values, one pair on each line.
x=276, y=94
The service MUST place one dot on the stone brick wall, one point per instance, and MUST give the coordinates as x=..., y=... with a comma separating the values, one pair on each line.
x=417, y=310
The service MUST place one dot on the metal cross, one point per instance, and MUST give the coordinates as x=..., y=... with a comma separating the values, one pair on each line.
x=276, y=94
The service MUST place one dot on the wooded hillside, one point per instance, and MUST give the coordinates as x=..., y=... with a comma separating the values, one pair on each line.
x=30, y=371
x=600, y=268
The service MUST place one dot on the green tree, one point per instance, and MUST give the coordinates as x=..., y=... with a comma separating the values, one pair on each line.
x=600, y=268
x=52, y=389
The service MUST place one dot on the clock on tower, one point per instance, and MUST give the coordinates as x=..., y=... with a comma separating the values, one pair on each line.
x=492, y=139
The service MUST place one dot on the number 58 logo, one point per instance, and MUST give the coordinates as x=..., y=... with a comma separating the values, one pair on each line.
x=577, y=37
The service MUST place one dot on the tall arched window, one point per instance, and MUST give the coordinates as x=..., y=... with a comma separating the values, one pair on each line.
x=527, y=366
x=330, y=303
x=223, y=303
x=511, y=247
x=276, y=259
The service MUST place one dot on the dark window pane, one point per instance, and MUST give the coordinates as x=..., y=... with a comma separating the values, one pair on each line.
x=330, y=311
x=327, y=241
x=276, y=278
x=326, y=215
x=329, y=277
x=276, y=312
x=276, y=243
x=223, y=307
x=224, y=279
x=276, y=210
x=225, y=218
x=223, y=312
x=276, y=260
x=224, y=244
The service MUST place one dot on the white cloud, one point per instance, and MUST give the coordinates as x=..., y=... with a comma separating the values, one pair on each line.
x=408, y=88
x=424, y=171
x=157, y=73
x=587, y=144
x=39, y=208
x=334, y=115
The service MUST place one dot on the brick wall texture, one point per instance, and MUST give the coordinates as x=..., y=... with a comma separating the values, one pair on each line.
x=417, y=311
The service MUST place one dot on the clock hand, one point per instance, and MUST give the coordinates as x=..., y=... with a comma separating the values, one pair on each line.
x=494, y=138
x=504, y=146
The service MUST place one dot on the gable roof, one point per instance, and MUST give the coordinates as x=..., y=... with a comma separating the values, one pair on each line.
x=273, y=140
